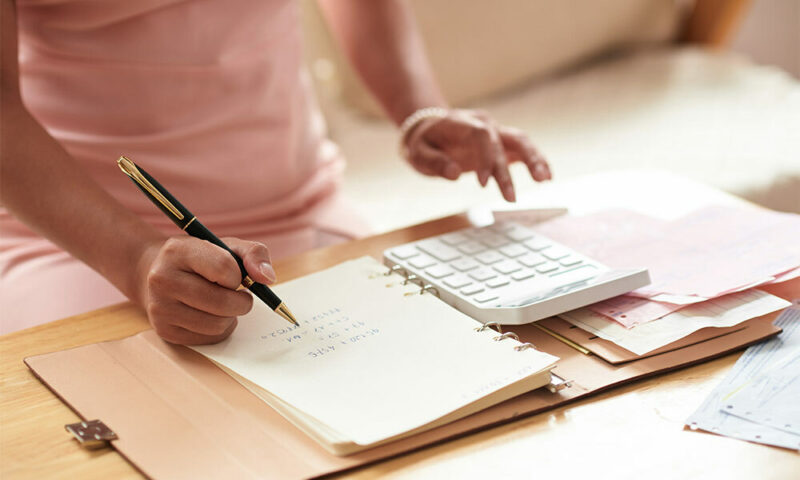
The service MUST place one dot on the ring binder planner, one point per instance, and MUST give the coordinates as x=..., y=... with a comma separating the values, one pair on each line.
x=361, y=323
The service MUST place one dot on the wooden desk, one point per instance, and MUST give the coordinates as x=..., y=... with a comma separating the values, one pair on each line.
x=633, y=431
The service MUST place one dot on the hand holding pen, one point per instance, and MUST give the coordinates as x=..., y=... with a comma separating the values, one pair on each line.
x=191, y=283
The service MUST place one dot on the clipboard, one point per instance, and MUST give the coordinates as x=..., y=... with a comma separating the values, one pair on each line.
x=177, y=415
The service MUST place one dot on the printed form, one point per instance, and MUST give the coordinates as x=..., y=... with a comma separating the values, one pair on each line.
x=758, y=400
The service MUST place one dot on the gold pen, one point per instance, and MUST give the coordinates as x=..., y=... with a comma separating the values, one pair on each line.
x=187, y=222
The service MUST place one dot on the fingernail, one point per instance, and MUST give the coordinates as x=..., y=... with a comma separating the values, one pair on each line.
x=451, y=170
x=268, y=271
x=511, y=196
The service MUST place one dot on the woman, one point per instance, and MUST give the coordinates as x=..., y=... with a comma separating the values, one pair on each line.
x=211, y=98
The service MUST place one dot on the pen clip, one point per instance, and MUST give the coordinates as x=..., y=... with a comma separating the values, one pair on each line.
x=130, y=169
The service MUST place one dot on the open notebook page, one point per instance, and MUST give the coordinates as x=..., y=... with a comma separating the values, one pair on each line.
x=369, y=362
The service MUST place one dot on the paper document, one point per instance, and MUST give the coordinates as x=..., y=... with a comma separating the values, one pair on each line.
x=372, y=358
x=481, y=216
x=764, y=378
x=706, y=254
x=721, y=312
x=630, y=311
x=773, y=398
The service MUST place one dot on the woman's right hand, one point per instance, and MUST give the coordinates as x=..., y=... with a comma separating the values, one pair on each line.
x=188, y=287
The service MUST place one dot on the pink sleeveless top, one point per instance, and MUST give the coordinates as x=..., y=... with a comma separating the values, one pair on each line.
x=210, y=96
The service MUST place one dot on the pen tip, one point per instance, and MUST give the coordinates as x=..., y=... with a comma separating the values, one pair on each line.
x=284, y=312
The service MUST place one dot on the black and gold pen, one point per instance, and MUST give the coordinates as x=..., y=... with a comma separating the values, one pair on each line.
x=189, y=223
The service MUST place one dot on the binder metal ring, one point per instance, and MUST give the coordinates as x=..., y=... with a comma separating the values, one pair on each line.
x=409, y=278
x=486, y=325
x=424, y=288
x=525, y=346
x=506, y=335
x=557, y=383
x=396, y=269
x=429, y=288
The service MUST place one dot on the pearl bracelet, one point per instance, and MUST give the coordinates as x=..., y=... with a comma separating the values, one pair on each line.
x=414, y=119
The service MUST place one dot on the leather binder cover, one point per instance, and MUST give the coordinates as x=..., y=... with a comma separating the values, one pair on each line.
x=177, y=415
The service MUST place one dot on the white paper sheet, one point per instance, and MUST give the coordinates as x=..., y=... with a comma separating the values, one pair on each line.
x=712, y=415
x=721, y=312
x=773, y=398
x=368, y=361
x=481, y=216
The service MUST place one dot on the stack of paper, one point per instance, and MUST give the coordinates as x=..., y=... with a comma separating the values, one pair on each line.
x=725, y=311
x=712, y=252
x=758, y=400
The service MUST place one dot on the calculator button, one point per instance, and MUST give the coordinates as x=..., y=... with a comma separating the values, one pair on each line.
x=497, y=282
x=531, y=260
x=547, y=267
x=537, y=244
x=519, y=234
x=494, y=241
x=502, y=227
x=482, y=274
x=523, y=275
x=570, y=261
x=464, y=264
x=507, y=266
x=480, y=233
x=454, y=238
x=405, y=252
x=422, y=261
x=438, y=250
x=555, y=252
x=485, y=297
x=488, y=257
x=439, y=271
x=513, y=250
x=471, y=290
x=472, y=247
x=457, y=281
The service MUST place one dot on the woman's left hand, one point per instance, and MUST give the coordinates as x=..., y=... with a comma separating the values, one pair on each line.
x=469, y=140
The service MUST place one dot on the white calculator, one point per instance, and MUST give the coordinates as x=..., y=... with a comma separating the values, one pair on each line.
x=509, y=274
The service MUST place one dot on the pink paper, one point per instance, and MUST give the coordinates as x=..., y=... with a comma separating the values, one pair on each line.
x=711, y=252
